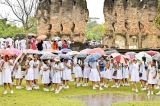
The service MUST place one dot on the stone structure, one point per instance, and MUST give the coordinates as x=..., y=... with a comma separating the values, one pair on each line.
x=129, y=23
x=63, y=18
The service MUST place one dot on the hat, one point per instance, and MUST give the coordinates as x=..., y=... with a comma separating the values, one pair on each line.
x=30, y=56
x=57, y=59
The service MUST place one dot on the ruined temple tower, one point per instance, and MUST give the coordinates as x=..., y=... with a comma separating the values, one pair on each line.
x=129, y=24
x=64, y=18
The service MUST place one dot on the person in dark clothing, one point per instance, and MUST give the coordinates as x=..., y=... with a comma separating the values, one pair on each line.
x=40, y=45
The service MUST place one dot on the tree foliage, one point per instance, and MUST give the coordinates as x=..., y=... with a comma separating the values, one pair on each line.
x=94, y=30
x=9, y=29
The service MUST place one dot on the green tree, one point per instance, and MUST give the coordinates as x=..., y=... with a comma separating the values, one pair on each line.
x=94, y=30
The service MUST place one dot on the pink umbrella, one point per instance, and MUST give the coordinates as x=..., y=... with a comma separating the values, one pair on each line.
x=16, y=51
x=97, y=50
x=131, y=55
x=6, y=52
x=115, y=54
x=152, y=53
x=120, y=58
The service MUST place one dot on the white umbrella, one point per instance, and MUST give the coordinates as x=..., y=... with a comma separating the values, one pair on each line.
x=143, y=54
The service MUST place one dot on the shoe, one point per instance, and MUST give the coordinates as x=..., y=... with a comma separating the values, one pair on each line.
x=29, y=89
x=152, y=93
x=102, y=84
x=45, y=89
x=60, y=88
x=143, y=89
x=12, y=92
x=100, y=88
x=118, y=86
x=66, y=87
x=74, y=83
x=52, y=89
x=18, y=87
x=57, y=91
x=37, y=87
x=149, y=93
x=136, y=90
x=84, y=84
x=94, y=87
x=113, y=86
x=133, y=89
x=158, y=93
x=5, y=92
x=78, y=84
x=21, y=87
x=127, y=84
x=106, y=86
x=157, y=87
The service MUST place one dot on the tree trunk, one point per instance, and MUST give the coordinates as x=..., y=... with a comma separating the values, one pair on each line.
x=27, y=43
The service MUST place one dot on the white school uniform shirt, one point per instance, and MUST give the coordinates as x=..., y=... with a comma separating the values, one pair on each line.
x=60, y=44
x=23, y=44
x=44, y=45
x=10, y=40
x=49, y=45
x=17, y=44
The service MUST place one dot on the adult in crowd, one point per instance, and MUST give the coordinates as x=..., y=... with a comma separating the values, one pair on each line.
x=54, y=45
x=40, y=45
x=59, y=44
x=65, y=44
x=33, y=43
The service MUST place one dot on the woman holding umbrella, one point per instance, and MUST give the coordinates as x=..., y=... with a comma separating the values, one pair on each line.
x=6, y=74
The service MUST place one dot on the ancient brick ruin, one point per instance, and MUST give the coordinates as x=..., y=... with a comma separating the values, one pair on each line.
x=64, y=18
x=129, y=23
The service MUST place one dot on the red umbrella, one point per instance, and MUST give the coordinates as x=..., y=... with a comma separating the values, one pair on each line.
x=115, y=54
x=152, y=53
x=6, y=52
x=97, y=50
x=120, y=58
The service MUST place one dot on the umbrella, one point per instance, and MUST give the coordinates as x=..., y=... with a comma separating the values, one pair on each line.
x=43, y=52
x=93, y=57
x=143, y=54
x=120, y=59
x=97, y=50
x=66, y=50
x=31, y=34
x=16, y=51
x=6, y=52
x=31, y=51
x=56, y=38
x=73, y=53
x=48, y=56
x=115, y=54
x=85, y=51
x=131, y=55
x=42, y=37
x=152, y=53
x=111, y=51
x=65, y=56
x=51, y=50
x=81, y=55
x=156, y=57
x=19, y=56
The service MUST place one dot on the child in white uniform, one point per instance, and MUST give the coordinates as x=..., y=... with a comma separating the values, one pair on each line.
x=152, y=77
x=108, y=74
x=58, y=67
x=45, y=74
x=86, y=73
x=6, y=74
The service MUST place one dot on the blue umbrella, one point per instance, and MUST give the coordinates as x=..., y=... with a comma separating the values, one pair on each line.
x=65, y=56
x=93, y=57
x=66, y=50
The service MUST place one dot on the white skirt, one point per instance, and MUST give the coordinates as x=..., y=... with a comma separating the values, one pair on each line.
x=67, y=74
x=125, y=73
x=135, y=76
x=86, y=72
x=119, y=74
x=36, y=73
x=18, y=74
x=77, y=72
x=29, y=74
x=103, y=73
x=108, y=74
x=151, y=80
x=45, y=77
x=57, y=77
x=51, y=74
x=94, y=75
x=6, y=76
x=1, y=82
x=144, y=76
